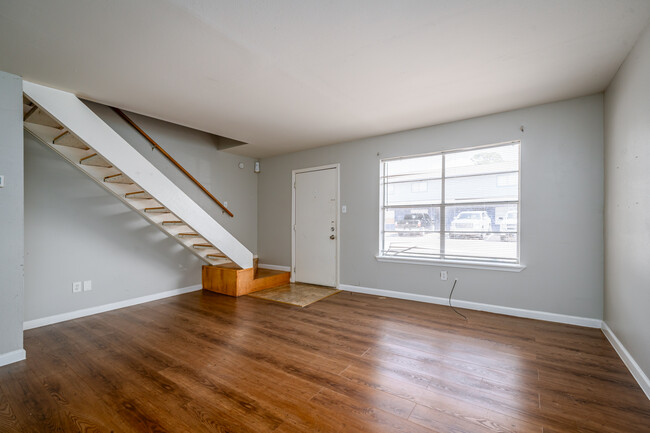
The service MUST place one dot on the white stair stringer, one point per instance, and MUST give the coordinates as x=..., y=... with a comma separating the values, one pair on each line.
x=75, y=117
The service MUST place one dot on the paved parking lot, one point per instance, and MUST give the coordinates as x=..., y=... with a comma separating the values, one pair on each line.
x=492, y=246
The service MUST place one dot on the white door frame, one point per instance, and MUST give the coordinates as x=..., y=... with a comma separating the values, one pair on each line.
x=337, y=167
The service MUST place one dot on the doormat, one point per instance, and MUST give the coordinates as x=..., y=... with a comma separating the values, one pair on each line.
x=297, y=294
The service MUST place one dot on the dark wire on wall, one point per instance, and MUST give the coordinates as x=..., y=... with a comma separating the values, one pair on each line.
x=452, y=307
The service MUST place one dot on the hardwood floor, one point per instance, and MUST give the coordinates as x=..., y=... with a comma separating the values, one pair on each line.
x=350, y=363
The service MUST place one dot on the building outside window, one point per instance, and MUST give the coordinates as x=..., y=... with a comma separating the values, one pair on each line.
x=460, y=205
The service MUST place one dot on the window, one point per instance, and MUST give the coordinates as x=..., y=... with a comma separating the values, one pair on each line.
x=460, y=205
x=419, y=187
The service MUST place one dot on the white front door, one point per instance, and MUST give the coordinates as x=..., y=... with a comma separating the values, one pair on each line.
x=315, y=219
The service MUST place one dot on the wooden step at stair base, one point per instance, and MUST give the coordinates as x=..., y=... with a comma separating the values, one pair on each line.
x=216, y=256
x=69, y=140
x=232, y=281
x=95, y=161
x=138, y=195
x=160, y=209
x=119, y=178
x=39, y=117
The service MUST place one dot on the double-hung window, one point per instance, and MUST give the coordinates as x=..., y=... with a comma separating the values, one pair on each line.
x=460, y=205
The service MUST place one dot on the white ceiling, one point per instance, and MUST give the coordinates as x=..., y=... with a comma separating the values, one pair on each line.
x=286, y=75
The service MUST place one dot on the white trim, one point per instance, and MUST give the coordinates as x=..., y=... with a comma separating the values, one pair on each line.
x=337, y=167
x=11, y=357
x=641, y=378
x=44, y=321
x=275, y=267
x=507, y=267
x=509, y=311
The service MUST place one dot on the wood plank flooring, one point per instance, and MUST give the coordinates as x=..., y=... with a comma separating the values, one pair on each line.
x=204, y=362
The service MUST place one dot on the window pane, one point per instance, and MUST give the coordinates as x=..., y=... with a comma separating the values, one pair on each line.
x=412, y=220
x=490, y=187
x=411, y=231
x=481, y=232
x=425, y=246
x=483, y=161
x=424, y=166
x=492, y=248
x=412, y=192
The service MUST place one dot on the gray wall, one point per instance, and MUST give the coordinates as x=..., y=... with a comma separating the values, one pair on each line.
x=76, y=230
x=627, y=196
x=11, y=207
x=562, y=208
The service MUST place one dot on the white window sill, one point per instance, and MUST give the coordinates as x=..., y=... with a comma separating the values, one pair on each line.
x=506, y=267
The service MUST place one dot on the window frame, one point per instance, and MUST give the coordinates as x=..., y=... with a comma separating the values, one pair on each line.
x=441, y=259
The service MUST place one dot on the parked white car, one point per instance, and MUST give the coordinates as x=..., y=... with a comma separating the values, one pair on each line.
x=471, y=224
x=508, y=226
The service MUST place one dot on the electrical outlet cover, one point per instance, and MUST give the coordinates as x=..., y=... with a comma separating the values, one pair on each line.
x=76, y=287
x=443, y=275
x=88, y=285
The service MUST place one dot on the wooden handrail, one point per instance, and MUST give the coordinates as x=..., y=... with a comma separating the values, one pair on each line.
x=180, y=167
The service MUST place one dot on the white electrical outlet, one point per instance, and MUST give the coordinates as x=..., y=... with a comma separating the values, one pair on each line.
x=88, y=285
x=76, y=287
x=344, y=209
x=443, y=275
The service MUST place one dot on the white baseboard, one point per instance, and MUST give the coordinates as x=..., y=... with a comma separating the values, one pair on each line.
x=629, y=362
x=44, y=321
x=11, y=357
x=275, y=267
x=517, y=312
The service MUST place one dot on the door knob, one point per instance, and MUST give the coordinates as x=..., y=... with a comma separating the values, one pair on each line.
x=332, y=236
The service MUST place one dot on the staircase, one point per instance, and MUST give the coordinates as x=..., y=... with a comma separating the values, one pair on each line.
x=64, y=123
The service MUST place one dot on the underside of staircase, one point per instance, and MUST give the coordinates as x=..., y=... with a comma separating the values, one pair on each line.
x=62, y=122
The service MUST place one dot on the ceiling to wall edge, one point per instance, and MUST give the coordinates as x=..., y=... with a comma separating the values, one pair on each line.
x=236, y=147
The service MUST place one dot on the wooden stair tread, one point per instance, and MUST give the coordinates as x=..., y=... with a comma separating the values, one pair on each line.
x=118, y=178
x=138, y=195
x=39, y=117
x=188, y=235
x=265, y=273
x=197, y=246
x=230, y=266
x=67, y=139
x=95, y=160
x=160, y=209
x=172, y=222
